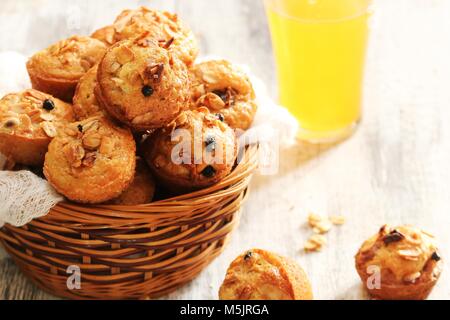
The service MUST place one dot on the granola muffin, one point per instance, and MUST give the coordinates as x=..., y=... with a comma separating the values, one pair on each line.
x=262, y=275
x=223, y=88
x=91, y=161
x=57, y=69
x=195, y=151
x=141, y=189
x=141, y=84
x=407, y=259
x=29, y=120
x=162, y=26
x=85, y=104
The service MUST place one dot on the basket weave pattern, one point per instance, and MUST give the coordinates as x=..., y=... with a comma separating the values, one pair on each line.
x=130, y=252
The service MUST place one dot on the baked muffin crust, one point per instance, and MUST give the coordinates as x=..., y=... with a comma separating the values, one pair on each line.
x=58, y=68
x=408, y=259
x=262, y=275
x=141, y=190
x=91, y=161
x=29, y=120
x=141, y=84
x=85, y=103
x=196, y=150
x=160, y=25
x=224, y=88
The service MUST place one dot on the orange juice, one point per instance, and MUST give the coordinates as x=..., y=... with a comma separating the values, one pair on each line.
x=320, y=49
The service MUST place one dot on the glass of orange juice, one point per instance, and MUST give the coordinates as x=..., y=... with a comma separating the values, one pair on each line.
x=320, y=48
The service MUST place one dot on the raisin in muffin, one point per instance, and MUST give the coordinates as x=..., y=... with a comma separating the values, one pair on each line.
x=141, y=84
x=224, y=89
x=407, y=259
x=161, y=26
x=91, y=161
x=141, y=189
x=57, y=69
x=195, y=151
x=85, y=104
x=29, y=120
x=262, y=275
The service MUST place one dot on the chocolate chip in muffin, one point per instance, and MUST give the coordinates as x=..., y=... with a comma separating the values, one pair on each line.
x=12, y=122
x=435, y=256
x=210, y=143
x=147, y=91
x=227, y=95
x=220, y=117
x=48, y=105
x=222, y=94
x=248, y=255
x=208, y=172
x=393, y=236
x=80, y=128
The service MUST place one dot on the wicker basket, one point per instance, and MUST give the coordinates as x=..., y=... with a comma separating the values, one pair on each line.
x=130, y=252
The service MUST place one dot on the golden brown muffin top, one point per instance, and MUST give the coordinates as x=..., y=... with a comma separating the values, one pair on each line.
x=402, y=253
x=262, y=275
x=142, y=83
x=32, y=113
x=68, y=59
x=85, y=103
x=91, y=161
x=224, y=88
x=161, y=26
x=196, y=148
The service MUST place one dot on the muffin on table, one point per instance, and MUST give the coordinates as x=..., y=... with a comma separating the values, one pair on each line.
x=91, y=161
x=408, y=261
x=162, y=26
x=142, y=188
x=141, y=84
x=262, y=275
x=85, y=104
x=223, y=88
x=195, y=151
x=57, y=69
x=29, y=120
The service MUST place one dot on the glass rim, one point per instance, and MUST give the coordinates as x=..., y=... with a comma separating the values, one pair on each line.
x=269, y=5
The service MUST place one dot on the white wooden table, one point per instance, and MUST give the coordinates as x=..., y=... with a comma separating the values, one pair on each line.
x=395, y=169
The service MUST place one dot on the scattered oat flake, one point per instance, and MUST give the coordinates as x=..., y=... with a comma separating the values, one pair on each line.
x=315, y=243
x=322, y=227
x=337, y=220
x=318, y=239
x=313, y=219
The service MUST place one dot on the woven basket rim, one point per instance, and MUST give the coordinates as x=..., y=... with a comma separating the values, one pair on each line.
x=176, y=207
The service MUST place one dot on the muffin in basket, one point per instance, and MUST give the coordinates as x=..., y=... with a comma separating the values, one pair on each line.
x=57, y=69
x=224, y=89
x=141, y=189
x=262, y=275
x=91, y=161
x=29, y=120
x=407, y=260
x=195, y=151
x=141, y=84
x=85, y=104
x=162, y=26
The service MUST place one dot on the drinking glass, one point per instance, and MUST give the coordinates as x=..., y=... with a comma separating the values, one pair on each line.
x=320, y=48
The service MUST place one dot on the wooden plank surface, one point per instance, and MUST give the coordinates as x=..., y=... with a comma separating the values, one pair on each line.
x=393, y=170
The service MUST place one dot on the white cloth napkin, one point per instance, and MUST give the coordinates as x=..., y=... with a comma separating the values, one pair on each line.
x=24, y=196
